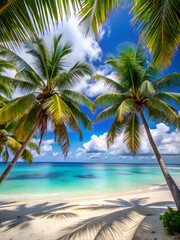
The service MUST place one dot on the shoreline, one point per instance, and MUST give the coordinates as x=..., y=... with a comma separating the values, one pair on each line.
x=132, y=216
x=56, y=196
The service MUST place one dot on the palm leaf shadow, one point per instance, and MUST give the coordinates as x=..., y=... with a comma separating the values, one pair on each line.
x=22, y=215
x=60, y=215
x=121, y=224
x=108, y=226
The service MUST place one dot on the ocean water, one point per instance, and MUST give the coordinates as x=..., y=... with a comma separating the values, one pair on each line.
x=68, y=180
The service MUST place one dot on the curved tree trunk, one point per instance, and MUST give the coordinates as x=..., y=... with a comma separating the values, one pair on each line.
x=19, y=153
x=170, y=182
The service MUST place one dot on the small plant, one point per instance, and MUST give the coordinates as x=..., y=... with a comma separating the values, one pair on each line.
x=171, y=221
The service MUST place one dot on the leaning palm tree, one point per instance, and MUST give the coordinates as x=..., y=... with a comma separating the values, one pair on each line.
x=51, y=98
x=156, y=21
x=19, y=20
x=136, y=91
x=9, y=143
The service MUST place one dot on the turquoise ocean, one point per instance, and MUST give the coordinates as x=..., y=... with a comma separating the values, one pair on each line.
x=74, y=180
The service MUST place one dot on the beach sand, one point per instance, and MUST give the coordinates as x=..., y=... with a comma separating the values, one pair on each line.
x=116, y=217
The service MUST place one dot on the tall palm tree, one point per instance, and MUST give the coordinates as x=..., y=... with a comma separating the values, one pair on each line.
x=137, y=92
x=158, y=22
x=51, y=98
x=19, y=20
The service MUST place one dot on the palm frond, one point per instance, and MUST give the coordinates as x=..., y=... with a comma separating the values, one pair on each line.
x=110, y=98
x=146, y=88
x=125, y=108
x=158, y=115
x=77, y=97
x=34, y=146
x=4, y=99
x=31, y=77
x=140, y=56
x=111, y=84
x=133, y=134
x=158, y=22
x=5, y=88
x=19, y=62
x=115, y=130
x=60, y=113
x=40, y=53
x=57, y=109
x=62, y=137
x=127, y=67
x=162, y=106
x=5, y=155
x=22, y=19
x=151, y=73
x=80, y=115
x=4, y=65
x=24, y=124
x=108, y=112
x=14, y=83
x=14, y=146
x=95, y=13
x=168, y=96
x=57, y=62
x=17, y=107
x=167, y=81
x=73, y=76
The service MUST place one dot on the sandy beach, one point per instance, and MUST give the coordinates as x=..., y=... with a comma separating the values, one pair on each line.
x=131, y=216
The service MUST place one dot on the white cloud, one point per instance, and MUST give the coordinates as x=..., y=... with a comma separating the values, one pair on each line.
x=55, y=154
x=46, y=146
x=84, y=47
x=96, y=144
x=167, y=143
x=93, y=88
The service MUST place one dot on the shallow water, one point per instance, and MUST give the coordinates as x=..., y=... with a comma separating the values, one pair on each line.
x=79, y=180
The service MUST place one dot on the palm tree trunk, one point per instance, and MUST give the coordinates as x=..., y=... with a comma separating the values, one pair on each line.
x=170, y=182
x=19, y=152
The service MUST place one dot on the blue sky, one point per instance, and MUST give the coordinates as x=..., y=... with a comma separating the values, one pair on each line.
x=117, y=31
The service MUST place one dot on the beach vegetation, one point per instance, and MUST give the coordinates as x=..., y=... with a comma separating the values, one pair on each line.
x=137, y=92
x=49, y=99
x=171, y=221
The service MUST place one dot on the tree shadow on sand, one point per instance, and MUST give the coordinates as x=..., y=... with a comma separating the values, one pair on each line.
x=122, y=224
x=23, y=214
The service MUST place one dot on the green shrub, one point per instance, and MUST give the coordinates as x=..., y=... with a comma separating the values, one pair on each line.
x=171, y=221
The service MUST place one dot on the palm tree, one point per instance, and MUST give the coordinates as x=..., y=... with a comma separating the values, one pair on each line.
x=51, y=97
x=156, y=21
x=136, y=91
x=19, y=20
x=10, y=144
x=8, y=141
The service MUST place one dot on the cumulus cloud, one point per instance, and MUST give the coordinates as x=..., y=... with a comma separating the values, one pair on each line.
x=55, y=154
x=46, y=146
x=85, y=48
x=93, y=88
x=167, y=143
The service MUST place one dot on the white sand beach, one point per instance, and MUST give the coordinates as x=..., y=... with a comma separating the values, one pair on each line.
x=131, y=216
